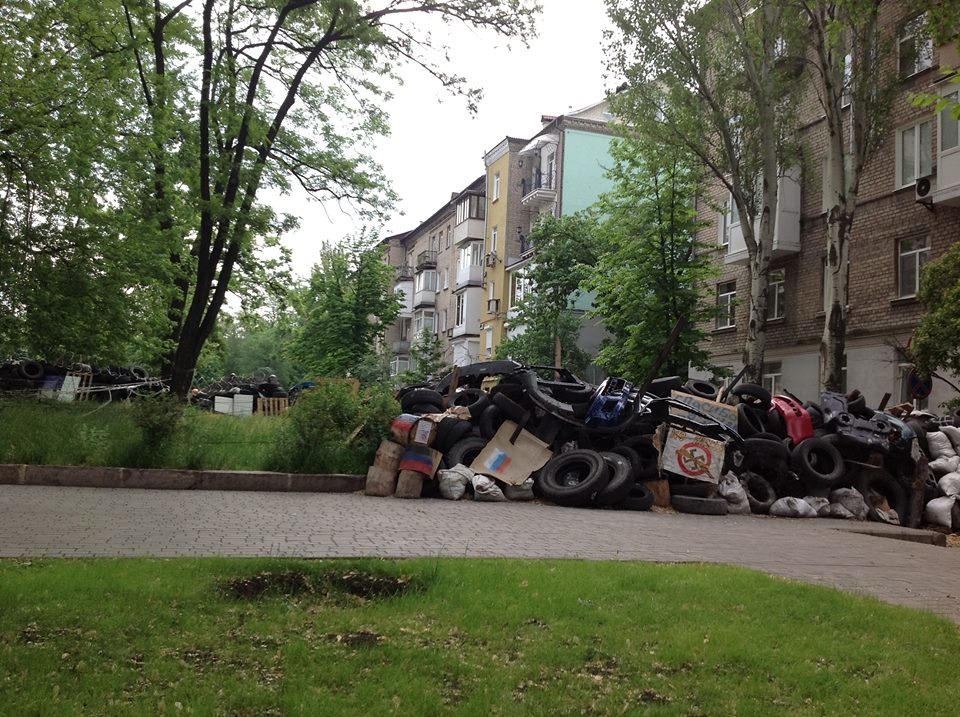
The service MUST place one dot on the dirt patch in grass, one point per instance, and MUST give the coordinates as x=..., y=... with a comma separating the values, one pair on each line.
x=293, y=583
x=368, y=586
x=289, y=583
x=360, y=638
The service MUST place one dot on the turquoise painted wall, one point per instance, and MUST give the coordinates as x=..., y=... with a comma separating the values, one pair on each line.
x=586, y=157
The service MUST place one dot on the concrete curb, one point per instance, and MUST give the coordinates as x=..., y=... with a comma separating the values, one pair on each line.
x=176, y=479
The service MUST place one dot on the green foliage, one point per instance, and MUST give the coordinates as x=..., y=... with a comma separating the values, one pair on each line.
x=531, y=637
x=565, y=253
x=158, y=418
x=936, y=340
x=334, y=429
x=347, y=309
x=428, y=361
x=650, y=271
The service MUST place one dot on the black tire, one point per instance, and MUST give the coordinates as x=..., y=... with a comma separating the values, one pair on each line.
x=450, y=431
x=699, y=506
x=640, y=497
x=874, y=485
x=631, y=455
x=620, y=483
x=30, y=370
x=420, y=409
x=752, y=394
x=422, y=397
x=574, y=478
x=473, y=399
x=818, y=462
x=749, y=420
x=510, y=409
x=857, y=404
x=465, y=451
x=649, y=457
x=760, y=494
x=490, y=421
x=775, y=423
x=816, y=415
x=763, y=450
x=701, y=389
x=138, y=372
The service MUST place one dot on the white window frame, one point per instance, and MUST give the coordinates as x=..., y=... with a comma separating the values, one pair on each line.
x=922, y=56
x=461, y=317
x=731, y=219
x=494, y=239
x=399, y=364
x=919, y=168
x=424, y=320
x=772, y=379
x=915, y=258
x=446, y=278
x=423, y=280
x=776, y=293
x=946, y=119
x=496, y=186
x=727, y=298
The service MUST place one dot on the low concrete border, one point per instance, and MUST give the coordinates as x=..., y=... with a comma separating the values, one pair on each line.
x=178, y=479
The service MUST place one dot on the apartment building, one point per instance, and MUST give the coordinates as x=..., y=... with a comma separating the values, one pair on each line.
x=560, y=171
x=439, y=276
x=908, y=213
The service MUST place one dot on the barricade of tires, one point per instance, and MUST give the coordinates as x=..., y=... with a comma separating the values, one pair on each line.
x=833, y=458
x=27, y=376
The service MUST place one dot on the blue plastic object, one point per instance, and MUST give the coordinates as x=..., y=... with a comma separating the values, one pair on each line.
x=610, y=403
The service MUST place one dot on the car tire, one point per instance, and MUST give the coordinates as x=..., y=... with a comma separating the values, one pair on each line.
x=818, y=462
x=490, y=421
x=449, y=432
x=465, y=450
x=752, y=394
x=422, y=397
x=750, y=420
x=694, y=489
x=701, y=389
x=473, y=399
x=875, y=484
x=574, y=478
x=30, y=370
x=699, y=506
x=760, y=494
x=620, y=482
x=640, y=497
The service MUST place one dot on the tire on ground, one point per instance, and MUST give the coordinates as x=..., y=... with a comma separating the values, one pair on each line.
x=760, y=494
x=699, y=506
x=640, y=497
x=876, y=485
x=574, y=478
x=620, y=483
x=818, y=462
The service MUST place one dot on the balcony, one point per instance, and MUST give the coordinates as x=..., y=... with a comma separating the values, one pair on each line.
x=538, y=191
x=401, y=347
x=470, y=230
x=426, y=260
x=424, y=298
x=404, y=273
x=786, y=229
x=469, y=276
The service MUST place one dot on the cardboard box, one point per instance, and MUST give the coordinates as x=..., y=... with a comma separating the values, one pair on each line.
x=722, y=412
x=511, y=462
x=421, y=459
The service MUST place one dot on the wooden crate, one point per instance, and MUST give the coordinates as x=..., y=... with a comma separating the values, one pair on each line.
x=273, y=406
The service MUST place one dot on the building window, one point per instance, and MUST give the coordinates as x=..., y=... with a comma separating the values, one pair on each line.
x=520, y=287
x=494, y=236
x=424, y=320
x=915, y=47
x=726, y=304
x=775, y=294
x=443, y=321
x=426, y=281
x=847, y=95
x=461, y=310
x=914, y=153
x=489, y=342
x=449, y=237
x=912, y=255
x=446, y=278
x=399, y=364
x=949, y=125
x=730, y=220
x=472, y=207
x=496, y=186
x=773, y=377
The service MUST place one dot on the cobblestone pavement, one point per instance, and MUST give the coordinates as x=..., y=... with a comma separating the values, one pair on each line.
x=82, y=522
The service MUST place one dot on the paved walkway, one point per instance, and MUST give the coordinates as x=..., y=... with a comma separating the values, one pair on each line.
x=82, y=522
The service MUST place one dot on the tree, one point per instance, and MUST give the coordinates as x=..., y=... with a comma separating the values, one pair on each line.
x=709, y=79
x=650, y=271
x=427, y=354
x=347, y=308
x=546, y=327
x=850, y=61
x=936, y=340
x=241, y=95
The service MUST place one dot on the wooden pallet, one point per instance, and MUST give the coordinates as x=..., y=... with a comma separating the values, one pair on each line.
x=273, y=406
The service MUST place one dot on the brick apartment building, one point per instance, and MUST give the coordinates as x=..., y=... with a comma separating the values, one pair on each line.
x=895, y=231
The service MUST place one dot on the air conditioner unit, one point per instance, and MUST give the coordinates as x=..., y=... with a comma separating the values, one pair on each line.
x=491, y=259
x=493, y=306
x=923, y=190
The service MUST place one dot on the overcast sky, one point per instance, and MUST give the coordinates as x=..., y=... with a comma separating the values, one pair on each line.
x=436, y=147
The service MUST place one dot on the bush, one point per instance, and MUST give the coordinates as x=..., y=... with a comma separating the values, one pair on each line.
x=157, y=418
x=335, y=428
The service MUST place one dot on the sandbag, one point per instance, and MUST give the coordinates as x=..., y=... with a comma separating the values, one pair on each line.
x=836, y=510
x=943, y=511
x=940, y=445
x=454, y=481
x=949, y=484
x=791, y=507
x=818, y=503
x=852, y=500
x=524, y=491
x=486, y=489
x=953, y=433
x=730, y=489
x=945, y=464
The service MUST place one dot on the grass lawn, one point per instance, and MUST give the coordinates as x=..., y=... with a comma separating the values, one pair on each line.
x=447, y=636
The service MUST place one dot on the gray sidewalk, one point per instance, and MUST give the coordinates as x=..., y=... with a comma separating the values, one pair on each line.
x=80, y=522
